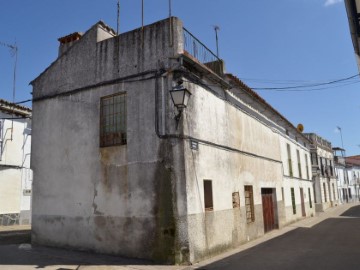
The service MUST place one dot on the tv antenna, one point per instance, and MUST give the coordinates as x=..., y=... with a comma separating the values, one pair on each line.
x=14, y=53
x=118, y=18
x=217, y=28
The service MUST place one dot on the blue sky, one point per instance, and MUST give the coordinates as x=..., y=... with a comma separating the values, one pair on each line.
x=266, y=43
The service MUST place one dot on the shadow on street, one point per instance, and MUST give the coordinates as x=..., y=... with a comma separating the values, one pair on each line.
x=352, y=212
x=331, y=245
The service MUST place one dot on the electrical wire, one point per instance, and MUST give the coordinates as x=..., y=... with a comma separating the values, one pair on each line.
x=308, y=90
x=307, y=85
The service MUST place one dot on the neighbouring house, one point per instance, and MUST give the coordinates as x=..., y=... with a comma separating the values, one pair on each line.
x=353, y=11
x=124, y=166
x=15, y=172
x=344, y=185
x=323, y=172
x=353, y=170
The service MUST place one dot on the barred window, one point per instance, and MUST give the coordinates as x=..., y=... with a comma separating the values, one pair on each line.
x=113, y=120
x=249, y=204
x=293, y=200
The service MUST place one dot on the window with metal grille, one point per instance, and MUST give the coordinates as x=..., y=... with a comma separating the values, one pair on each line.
x=249, y=204
x=307, y=167
x=325, y=197
x=299, y=163
x=113, y=120
x=289, y=160
x=310, y=202
x=293, y=200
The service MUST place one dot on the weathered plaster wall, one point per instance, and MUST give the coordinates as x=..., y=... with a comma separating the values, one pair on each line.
x=209, y=118
x=118, y=199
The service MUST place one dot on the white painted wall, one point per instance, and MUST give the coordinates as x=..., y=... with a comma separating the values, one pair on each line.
x=15, y=173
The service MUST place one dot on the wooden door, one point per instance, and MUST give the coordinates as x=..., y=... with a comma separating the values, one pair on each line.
x=268, y=209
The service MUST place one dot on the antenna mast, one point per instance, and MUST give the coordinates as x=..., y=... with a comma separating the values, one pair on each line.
x=118, y=18
x=217, y=28
x=13, y=52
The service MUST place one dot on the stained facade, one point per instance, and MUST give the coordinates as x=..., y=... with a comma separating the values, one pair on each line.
x=116, y=165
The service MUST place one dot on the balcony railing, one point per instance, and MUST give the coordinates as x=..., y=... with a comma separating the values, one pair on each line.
x=202, y=53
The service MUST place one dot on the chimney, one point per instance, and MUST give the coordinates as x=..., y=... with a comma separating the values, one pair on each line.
x=67, y=41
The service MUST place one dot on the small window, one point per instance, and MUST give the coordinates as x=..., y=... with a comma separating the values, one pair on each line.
x=310, y=201
x=325, y=197
x=236, y=200
x=249, y=204
x=299, y=163
x=293, y=201
x=289, y=160
x=307, y=167
x=208, y=195
x=113, y=120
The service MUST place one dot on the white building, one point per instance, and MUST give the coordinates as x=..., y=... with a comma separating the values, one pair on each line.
x=323, y=173
x=119, y=169
x=15, y=173
x=342, y=174
x=353, y=170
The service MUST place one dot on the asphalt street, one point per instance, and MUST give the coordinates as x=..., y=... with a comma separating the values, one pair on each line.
x=332, y=244
x=328, y=241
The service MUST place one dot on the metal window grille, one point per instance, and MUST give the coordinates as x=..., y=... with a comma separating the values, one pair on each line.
x=307, y=167
x=249, y=204
x=289, y=160
x=325, y=197
x=310, y=201
x=293, y=200
x=113, y=113
x=299, y=163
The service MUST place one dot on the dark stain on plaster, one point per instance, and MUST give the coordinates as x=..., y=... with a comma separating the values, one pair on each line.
x=165, y=235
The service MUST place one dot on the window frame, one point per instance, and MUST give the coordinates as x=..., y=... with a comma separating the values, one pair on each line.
x=118, y=136
x=293, y=200
x=249, y=204
x=291, y=173
x=208, y=195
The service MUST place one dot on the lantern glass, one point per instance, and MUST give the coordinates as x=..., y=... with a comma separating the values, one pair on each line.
x=180, y=96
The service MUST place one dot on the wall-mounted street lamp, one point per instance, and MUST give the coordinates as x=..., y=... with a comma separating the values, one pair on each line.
x=180, y=97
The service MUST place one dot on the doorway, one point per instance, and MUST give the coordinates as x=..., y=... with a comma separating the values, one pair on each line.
x=268, y=196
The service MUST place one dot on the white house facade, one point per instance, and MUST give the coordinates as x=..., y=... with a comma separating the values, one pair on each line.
x=323, y=173
x=15, y=172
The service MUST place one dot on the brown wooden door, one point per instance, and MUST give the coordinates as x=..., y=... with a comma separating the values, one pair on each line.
x=268, y=209
x=302, y=202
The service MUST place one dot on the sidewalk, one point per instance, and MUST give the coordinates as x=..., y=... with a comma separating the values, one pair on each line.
x=25, y=256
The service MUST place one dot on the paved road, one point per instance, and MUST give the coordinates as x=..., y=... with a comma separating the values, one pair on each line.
x=333, y=244
x=329, y=241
